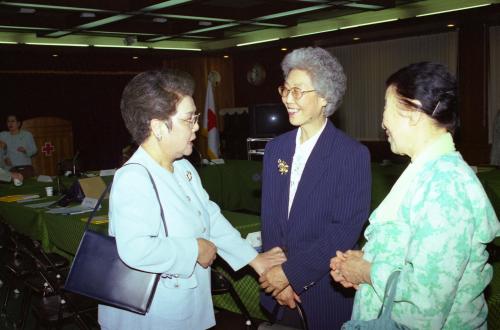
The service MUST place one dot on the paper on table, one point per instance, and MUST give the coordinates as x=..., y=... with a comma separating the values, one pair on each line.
x=40, y=205
x=44, y=178
x=255, y=240
x=107, y=172
x=15, y=198
x=87, y=205
x=97, y=220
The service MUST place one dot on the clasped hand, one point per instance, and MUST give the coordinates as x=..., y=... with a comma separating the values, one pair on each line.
x=350, y=269
x=275, y=282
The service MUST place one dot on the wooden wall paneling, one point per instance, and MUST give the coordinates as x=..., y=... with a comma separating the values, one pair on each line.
x=54, y=140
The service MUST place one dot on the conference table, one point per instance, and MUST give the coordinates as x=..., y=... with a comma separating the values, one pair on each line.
x=62, y=233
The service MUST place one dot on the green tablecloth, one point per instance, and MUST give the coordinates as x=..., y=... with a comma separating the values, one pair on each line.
x=62, y=233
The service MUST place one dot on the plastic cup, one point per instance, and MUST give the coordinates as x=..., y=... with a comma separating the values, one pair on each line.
x=49, y=191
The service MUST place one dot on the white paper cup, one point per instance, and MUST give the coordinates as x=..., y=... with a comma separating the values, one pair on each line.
x=49, y=191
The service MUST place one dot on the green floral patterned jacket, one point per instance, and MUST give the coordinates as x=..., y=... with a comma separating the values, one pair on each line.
x=437, y=236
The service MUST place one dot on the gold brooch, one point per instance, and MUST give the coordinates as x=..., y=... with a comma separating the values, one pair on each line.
x=189, y=176
x=282, y=167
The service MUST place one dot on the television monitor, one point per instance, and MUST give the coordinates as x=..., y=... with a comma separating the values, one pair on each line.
x=268, y=120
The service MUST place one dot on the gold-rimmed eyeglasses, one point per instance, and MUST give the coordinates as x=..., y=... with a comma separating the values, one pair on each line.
x=192, y=120
x=297, y=93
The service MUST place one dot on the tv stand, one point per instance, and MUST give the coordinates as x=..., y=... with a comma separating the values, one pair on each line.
x=255, y=146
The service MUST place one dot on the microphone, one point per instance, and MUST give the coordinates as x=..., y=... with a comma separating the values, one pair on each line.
x=75, y=157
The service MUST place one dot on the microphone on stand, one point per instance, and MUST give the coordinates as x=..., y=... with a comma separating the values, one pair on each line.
x=75, y=157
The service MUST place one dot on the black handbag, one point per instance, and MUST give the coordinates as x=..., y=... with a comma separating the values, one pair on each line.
x=384, y=320
x=98, y=272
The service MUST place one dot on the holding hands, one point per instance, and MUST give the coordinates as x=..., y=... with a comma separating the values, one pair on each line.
x=264, y=261
x=350, y=269
x=274, y=281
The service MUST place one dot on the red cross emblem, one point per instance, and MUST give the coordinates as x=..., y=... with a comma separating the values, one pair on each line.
x=48, y=148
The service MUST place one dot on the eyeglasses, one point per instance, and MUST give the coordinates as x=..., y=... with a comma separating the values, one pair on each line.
x=297, y=93
x=192, y=121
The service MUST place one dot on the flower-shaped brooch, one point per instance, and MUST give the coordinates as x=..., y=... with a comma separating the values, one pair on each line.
x=282, y=167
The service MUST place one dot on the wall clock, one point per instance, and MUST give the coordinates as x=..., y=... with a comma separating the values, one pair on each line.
x=256, y=75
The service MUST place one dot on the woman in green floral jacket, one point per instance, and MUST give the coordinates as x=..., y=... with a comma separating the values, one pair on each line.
x=435, y=222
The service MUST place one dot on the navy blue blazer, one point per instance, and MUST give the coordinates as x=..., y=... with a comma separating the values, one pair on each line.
x=329, y=210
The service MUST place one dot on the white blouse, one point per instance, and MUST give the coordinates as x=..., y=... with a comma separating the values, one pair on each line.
x=300, y=157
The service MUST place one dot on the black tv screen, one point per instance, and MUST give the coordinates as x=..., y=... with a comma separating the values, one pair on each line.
x=268, y=120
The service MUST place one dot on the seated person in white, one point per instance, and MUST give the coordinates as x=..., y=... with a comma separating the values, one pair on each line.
x=17, y=145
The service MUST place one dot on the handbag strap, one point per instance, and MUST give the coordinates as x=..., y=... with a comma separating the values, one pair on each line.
x=390, y=293
x=300, y=311
x=109, y=187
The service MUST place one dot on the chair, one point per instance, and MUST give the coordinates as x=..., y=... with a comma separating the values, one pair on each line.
x=33, y=273
x=222, y=285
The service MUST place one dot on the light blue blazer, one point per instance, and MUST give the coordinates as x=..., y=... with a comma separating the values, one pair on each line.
x=183, y=298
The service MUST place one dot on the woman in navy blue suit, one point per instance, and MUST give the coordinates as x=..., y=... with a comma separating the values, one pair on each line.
x=315, y=194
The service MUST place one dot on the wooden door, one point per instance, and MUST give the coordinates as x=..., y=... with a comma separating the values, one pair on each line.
x=54, y=140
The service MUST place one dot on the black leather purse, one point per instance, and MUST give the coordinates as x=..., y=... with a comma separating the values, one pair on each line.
x=98, y=272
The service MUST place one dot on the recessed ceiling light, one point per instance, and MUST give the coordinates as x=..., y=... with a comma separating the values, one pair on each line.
x=135, y=57
x=55, y=55
x=450, y=25
x=284, y=49
x=27, y=10
x=87, y=15
x=226, y=56
x=159, y=20
x=356, y=38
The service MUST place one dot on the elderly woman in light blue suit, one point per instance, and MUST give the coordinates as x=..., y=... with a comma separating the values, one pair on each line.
x=159, y=112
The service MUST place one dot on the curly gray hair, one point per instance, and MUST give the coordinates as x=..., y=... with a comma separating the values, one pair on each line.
x=326, y=72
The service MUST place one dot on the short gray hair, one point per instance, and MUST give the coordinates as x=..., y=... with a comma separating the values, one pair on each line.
x=326, y=72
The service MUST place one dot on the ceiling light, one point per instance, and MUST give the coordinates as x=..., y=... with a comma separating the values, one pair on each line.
x=117, y=46
x=27, y=10
x=356, y=38
x=55, y=55
x=450, y=25
x=55, y=44
x=8, y=42
x=159, y=20
x=256, y=42
x=87, y=15
x=370, y=23
x=180, y=48
x=455, y=9
x=315, y=32
x=204, y=23
x=284, y=49
x=135, y=57
x=226, y=56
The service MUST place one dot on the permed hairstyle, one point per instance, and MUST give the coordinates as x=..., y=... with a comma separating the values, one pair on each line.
x=433, y=86
x=325, y=71
x=153, y=95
